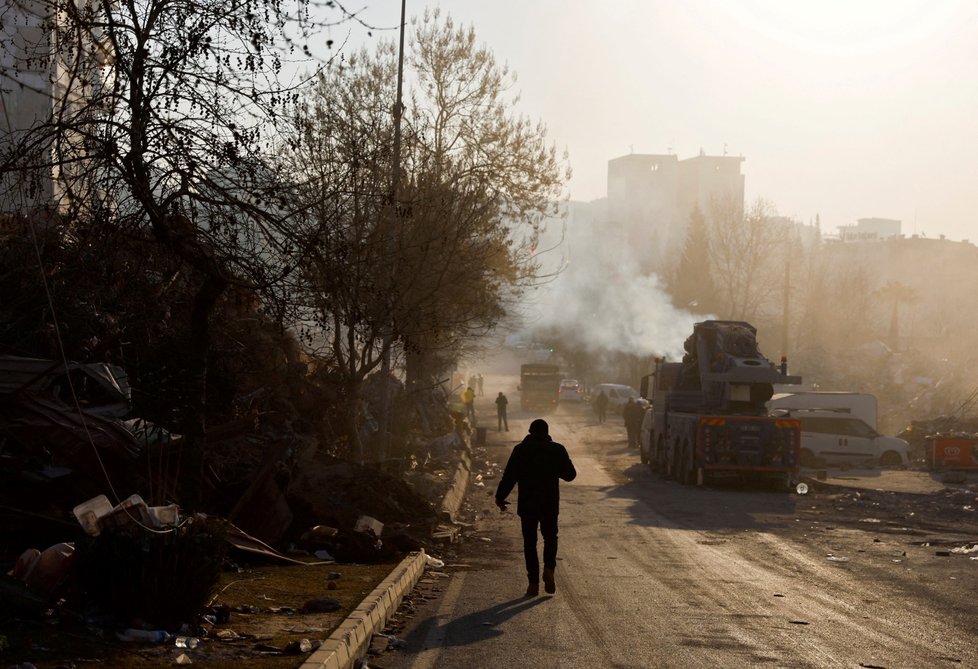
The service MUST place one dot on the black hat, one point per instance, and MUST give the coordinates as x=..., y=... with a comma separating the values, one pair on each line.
x=540, y=427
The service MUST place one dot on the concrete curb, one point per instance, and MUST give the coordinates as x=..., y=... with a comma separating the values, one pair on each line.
x=453, y=499
x=350, y=640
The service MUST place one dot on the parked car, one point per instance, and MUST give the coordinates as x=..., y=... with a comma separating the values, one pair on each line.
x=570, y=391
x=617, y=394
x=829, y=438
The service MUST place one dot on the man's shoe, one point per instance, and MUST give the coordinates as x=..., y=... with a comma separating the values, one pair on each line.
x=548, y=580
x=533, y=589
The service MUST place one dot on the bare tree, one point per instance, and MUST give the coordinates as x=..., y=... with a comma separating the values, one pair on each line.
x=692, y=285
x=442, y=262
x=896, y=293
x=747, y=252
x=159, y=119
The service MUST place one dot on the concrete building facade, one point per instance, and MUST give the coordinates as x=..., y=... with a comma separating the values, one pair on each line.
x=870, y=229
x=651, y=198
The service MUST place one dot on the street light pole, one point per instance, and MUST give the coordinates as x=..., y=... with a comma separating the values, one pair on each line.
x=383, y=420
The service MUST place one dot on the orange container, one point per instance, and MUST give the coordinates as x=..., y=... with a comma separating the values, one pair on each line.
x=952, y=452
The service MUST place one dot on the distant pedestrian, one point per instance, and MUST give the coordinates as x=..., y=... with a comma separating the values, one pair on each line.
x=633, y=413
x=536, y=465
x=478, y=381
x=501, y=403
x=601, y=406
x=468, y=399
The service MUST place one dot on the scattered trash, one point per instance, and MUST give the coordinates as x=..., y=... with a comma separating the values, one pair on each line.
x=391, y=640
x=799, y=622
x=837, y=558
x=433, y=562
x=942, y=553
x=183, y=659
x=324, y=555
x=968, y=548
x=144, y=636
x=321, y=606
x=186, y=642
x=333, y=575
x=801, y=488
x=368, y=524
x=299, y=647
x=44, y=571
x=869, y=520
x=778, y=594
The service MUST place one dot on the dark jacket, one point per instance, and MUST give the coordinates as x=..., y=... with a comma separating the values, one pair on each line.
x=536, y=464
x=633, y=413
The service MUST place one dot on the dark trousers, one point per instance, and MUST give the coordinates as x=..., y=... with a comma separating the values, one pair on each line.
x=548, y=528
x=501, y=419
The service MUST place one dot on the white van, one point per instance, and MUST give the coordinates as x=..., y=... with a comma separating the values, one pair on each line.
x=617, y=394
x=838, y=438
x=860, y=405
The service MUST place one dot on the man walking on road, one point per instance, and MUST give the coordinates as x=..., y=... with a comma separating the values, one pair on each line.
x=601, y=405
x=501, y=403
x=536, y=465
x=633, y=413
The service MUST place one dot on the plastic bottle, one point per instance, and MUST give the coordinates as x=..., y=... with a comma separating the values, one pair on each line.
x=146, y=636
x=186, y=642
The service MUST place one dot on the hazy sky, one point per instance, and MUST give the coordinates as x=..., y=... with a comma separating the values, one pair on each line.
x=848, y=109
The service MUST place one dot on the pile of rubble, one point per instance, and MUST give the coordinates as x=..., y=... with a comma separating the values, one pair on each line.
x=69, y=444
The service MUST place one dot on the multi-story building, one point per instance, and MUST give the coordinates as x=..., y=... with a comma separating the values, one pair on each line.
x=652, y=196
x=47, y=77
x=870, y=229
x=25, y=96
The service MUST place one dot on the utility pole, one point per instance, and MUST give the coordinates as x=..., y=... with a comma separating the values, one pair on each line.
x=786, y=315
x=383, y=420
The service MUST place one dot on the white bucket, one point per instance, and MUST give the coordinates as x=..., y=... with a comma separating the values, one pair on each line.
x=163, y=516
x=88, y=513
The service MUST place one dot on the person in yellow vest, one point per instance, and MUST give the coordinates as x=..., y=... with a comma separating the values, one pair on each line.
x=468, y=399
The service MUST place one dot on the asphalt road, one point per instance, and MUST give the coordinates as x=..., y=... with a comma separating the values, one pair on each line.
x=654, y=574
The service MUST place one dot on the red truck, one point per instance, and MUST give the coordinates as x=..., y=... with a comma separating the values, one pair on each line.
x=708, y=417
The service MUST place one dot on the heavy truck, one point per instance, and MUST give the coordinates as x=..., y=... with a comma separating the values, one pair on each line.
x=539, y=386
x=708, y=417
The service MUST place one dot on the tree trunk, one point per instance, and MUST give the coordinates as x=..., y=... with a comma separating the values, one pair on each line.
x=195, y=403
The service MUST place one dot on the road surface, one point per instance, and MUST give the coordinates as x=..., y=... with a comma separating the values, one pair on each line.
x=654, y=574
